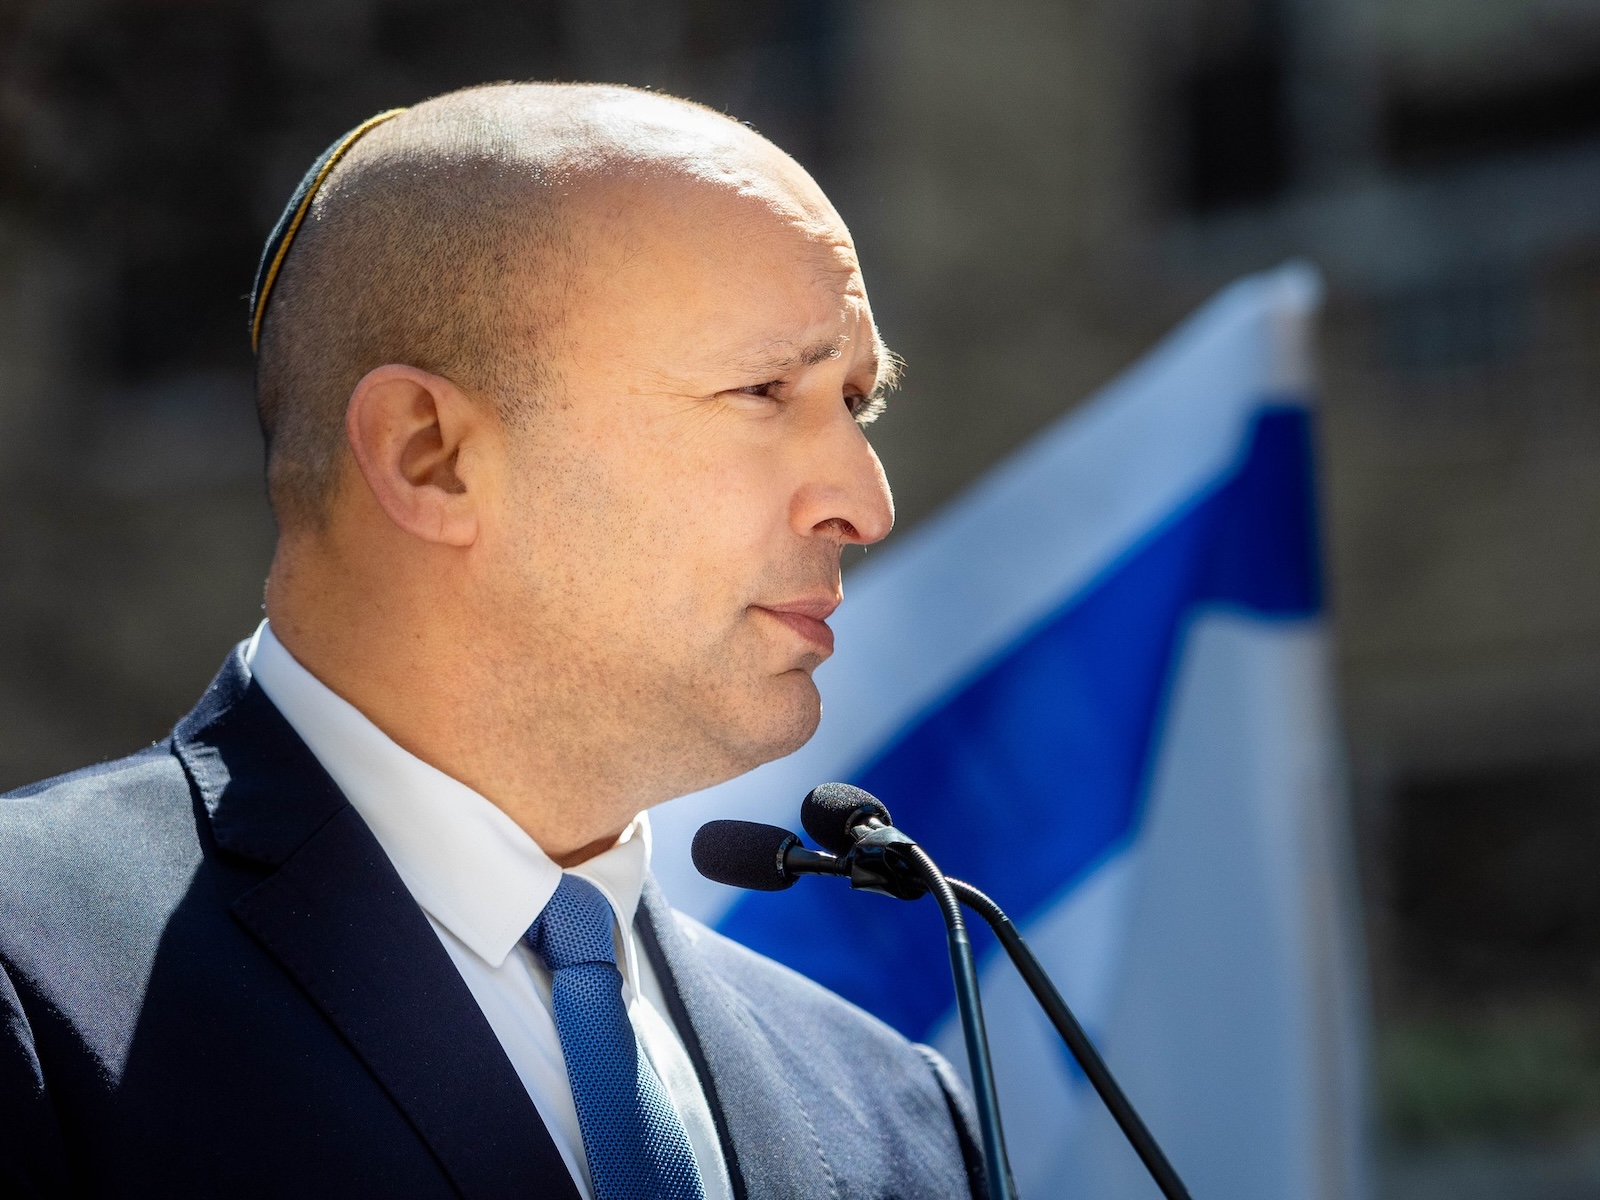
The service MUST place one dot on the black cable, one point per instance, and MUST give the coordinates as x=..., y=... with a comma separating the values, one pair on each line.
x=1044, y=991
x=964, y=968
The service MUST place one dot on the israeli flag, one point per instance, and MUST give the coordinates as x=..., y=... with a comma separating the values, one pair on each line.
x=1097, y=687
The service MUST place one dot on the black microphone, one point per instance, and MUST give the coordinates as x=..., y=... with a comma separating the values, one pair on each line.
x=875, y=856
x=762, y=858
x=855, y=824
x=837, y=815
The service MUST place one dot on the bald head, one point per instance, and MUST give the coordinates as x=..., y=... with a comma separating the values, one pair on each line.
x=455, y=237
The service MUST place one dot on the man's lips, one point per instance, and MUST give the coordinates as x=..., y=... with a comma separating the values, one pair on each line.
x=808, y=618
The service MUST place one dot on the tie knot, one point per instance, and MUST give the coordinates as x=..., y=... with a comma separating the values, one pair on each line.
x=575, y=927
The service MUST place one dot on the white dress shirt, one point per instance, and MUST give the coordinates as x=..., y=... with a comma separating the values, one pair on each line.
x=481, y=881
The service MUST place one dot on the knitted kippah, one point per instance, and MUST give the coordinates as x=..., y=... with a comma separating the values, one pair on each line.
x=277, y=247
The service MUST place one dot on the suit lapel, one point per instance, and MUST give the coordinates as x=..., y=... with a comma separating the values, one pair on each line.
x=772, y=1147
x=339, y=920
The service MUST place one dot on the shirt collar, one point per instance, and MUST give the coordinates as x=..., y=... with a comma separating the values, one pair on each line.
x=468, y=865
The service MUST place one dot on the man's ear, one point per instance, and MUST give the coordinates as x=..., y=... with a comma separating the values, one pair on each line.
x=416, y=438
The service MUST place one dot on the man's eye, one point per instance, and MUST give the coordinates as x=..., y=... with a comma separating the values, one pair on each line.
x=759, y=389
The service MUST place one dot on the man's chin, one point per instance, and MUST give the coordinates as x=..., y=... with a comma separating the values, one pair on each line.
x=782, y=724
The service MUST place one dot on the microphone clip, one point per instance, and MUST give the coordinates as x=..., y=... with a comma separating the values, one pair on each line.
x=879, y=862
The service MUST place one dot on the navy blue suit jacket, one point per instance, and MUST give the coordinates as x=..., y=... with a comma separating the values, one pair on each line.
x=213, y=983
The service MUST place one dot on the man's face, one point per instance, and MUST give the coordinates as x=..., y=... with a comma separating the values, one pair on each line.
x=675, y=513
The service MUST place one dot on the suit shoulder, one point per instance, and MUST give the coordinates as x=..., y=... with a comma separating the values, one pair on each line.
x=70, y=815
x=91, y=866
x=98, y=777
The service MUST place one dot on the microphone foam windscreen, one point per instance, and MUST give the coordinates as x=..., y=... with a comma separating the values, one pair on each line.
x=743, y=854
x=831, y=809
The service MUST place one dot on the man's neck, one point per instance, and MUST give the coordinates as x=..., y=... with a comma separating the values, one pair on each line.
x=447, y=718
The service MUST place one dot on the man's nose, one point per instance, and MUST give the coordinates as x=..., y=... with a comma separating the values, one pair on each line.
x=844, y=493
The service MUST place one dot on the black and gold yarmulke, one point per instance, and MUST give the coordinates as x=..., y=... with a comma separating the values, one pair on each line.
x=277, y=247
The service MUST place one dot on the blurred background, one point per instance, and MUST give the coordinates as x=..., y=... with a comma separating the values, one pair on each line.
x=1039, y=190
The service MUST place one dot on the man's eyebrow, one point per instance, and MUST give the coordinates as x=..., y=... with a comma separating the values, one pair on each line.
x=885, y=361
x=782, y=357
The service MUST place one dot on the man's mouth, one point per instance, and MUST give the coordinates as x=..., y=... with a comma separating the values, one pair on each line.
x=808, y=618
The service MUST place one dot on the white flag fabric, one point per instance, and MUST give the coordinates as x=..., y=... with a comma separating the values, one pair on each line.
x=1097, y=686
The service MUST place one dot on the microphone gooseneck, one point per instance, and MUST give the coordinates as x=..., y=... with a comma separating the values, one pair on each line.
x=856, y=825
x=1094, y=1068
x=964, y=969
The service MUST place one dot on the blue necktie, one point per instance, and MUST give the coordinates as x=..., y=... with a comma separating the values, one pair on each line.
x=636, y=1145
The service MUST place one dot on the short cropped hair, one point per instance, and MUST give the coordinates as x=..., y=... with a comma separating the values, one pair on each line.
x=439, y=241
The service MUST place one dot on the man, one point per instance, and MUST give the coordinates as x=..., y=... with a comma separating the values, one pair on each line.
x=563, y=392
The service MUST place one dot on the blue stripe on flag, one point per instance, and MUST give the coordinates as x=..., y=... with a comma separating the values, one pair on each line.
x=1032, y=771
